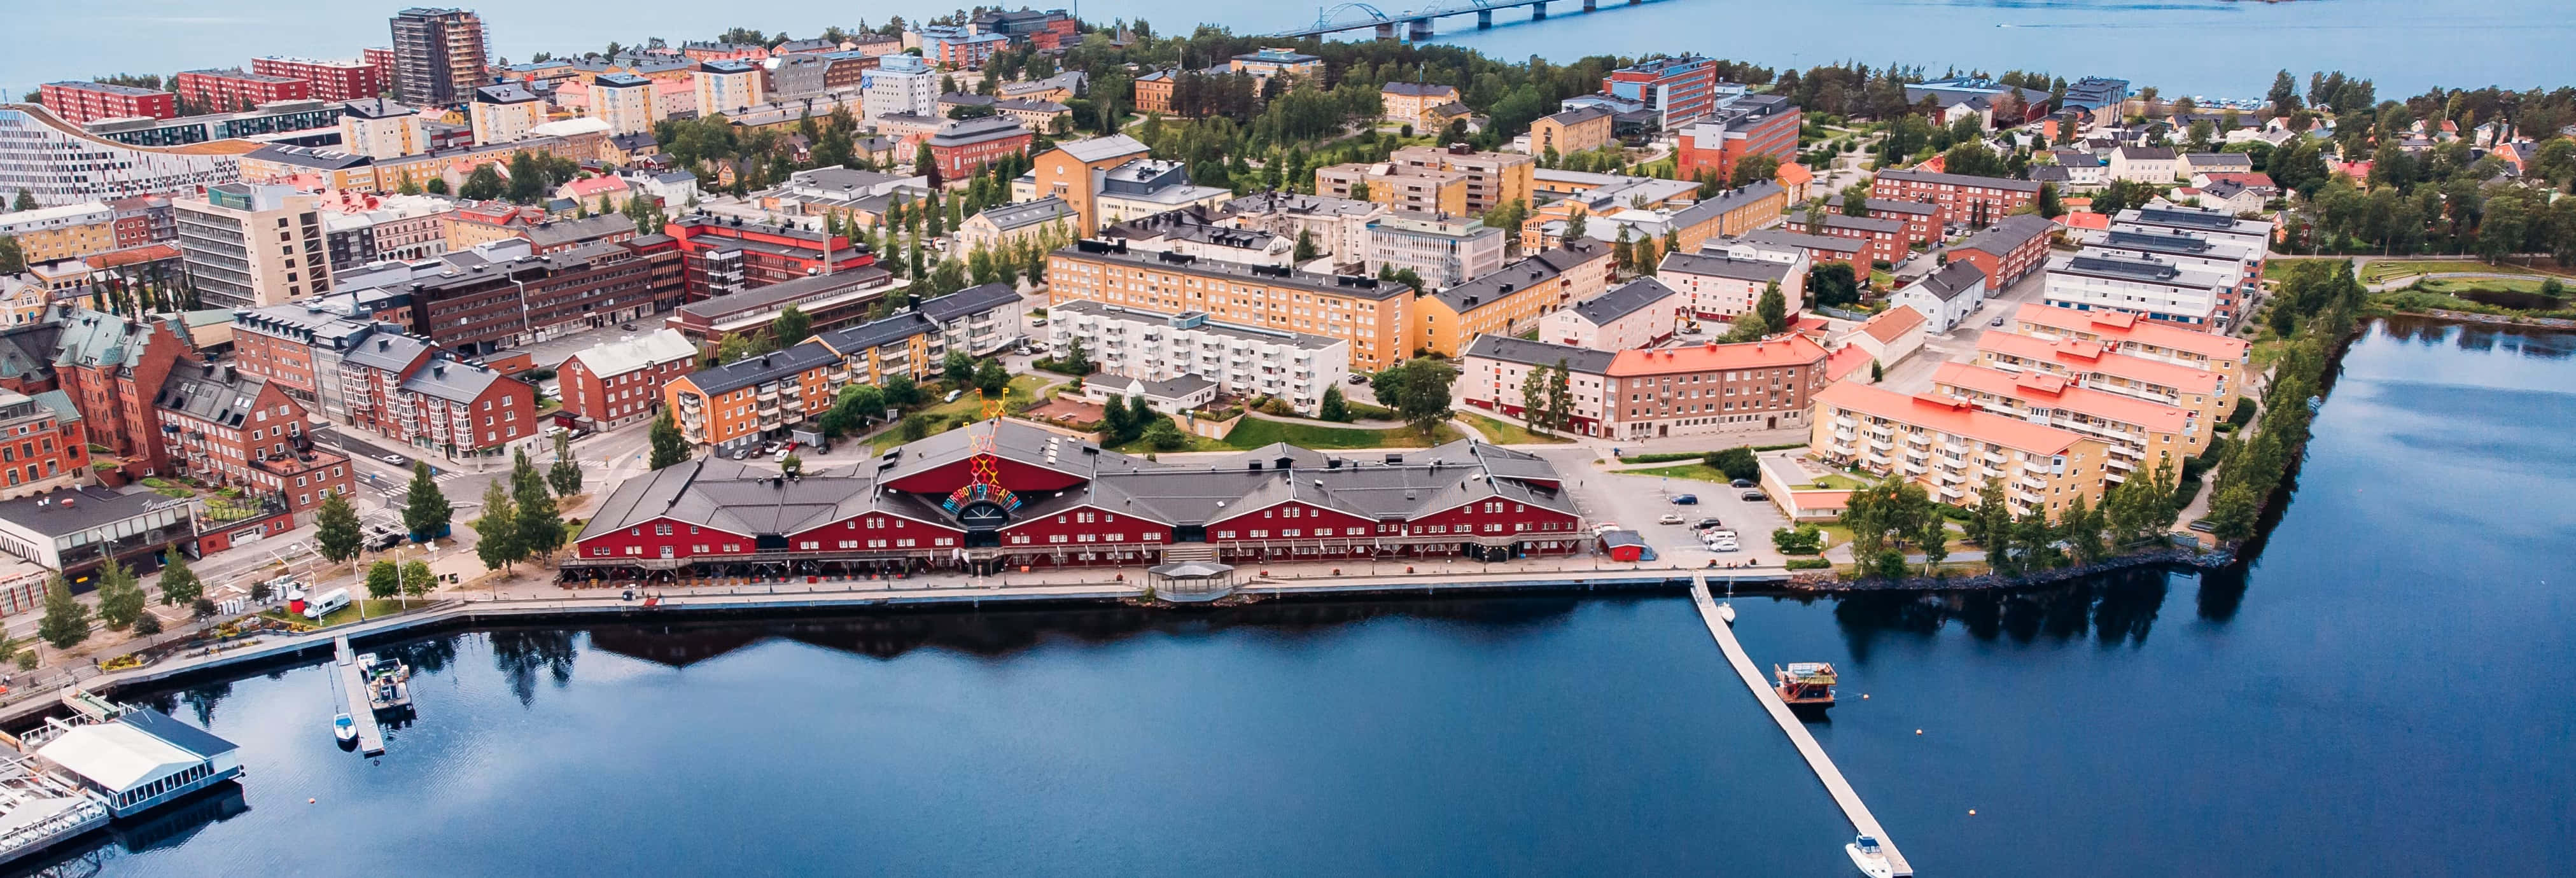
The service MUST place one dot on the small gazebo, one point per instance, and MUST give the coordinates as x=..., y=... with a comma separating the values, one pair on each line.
x=1191, y=581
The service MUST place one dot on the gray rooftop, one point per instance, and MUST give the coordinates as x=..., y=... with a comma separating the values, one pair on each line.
x=968, y=301
x=1624, y=300
x=1340, y=285
x=766, y=367
x=1102, y=148
x=1023, y=214
x=1527, y=352
x=49, y=514
x=451, y=380
x=1951, y=280
x=1714, y=265
x=1499, y=284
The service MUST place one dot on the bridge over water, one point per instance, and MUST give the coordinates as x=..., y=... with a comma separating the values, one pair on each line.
x=1417, y=22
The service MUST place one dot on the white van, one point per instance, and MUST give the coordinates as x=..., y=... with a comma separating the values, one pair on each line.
x=324, y=605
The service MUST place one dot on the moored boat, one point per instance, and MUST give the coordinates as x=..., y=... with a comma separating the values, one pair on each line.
x=1872, y=860
x=1804, y=684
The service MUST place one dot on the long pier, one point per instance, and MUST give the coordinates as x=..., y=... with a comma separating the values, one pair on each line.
x=1417, y=22
x=352, y=697
x=1853, y=809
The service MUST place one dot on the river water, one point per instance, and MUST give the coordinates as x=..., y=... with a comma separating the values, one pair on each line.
x=2209, y=47
x=2384, y=692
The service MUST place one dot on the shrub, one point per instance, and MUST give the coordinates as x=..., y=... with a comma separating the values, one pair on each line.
x=1736, y=463
x=147, y=625
x=2243, y=413
x=1806, y=539
x=1809, y=564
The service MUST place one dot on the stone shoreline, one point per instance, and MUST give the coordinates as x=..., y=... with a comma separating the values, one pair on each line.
x=1827, y=582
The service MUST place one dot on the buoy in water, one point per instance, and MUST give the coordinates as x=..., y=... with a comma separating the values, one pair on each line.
x=1972, y=812
x=1864, y=696
x=1918, y=731
x=310, y=801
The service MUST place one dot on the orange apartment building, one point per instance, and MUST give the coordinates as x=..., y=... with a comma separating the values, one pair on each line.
x=1713, y=388
x=1953, y=448
x=1512, y=300
x=1375, y=317
x=2092, y=364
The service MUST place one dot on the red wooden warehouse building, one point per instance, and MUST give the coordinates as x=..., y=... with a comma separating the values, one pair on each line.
x=1001, y=495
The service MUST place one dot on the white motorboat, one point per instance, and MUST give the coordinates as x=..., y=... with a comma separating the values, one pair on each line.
x=1726, y=608
x=344, y=728
x=1866, y=854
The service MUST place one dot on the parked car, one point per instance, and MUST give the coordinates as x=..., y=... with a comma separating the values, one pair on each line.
x=1742, y=483
x=1670, y=518
x=1604, y=527
x=2202, y=525
x=1995, y=322
x=628, y=327
x=1723, y=546
x=394, y=459
x=1754, y=497
x=1357, y=378
x=781, y=455
x=1686, y=499
x=741, y=453
x=1706, y=523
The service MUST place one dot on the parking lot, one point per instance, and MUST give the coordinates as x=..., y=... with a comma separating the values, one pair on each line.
x=1639, y=503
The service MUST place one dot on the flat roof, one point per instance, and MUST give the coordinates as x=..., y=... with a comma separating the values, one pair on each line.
x=1339, y=285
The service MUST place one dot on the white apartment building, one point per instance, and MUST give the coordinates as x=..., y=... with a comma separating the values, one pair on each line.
x=1640, y=313
x=1494, y=368
x=900, y=84
x=726, y=86
x=381, y=129
x=2152, y=287
x=625, y=101
x=2145, y=164
x=1337, y=226
x=251, y=246
x=1722, y=282
x=1445, y=252
x=504, y=113
x=1945, y=297
x=1242, y=360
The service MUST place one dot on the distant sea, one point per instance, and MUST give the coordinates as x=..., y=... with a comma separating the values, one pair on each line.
x=2206, y=47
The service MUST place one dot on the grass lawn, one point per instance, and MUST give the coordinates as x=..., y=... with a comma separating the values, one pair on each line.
x=1696, y=471
x=2456, y=286
x=2377, y=272
x=1197, y=443
x=1023, y=388
x=376, y=608
x=1502, y=433
x=1256, y=432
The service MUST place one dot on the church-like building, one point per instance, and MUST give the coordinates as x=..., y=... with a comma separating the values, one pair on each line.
x=1002, y=494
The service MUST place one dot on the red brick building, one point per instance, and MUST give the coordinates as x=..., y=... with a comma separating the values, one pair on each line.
x=1962, y=199
x=42, y=443
x=1001, y=495
x=339, y=80
x=964, y=147
x=1883, y=240
x=81, y=103
x=144, y=219
x=224, y=91
x=617, y=383
x=1749, y=125
x=723, y=256
x=111, y=367
x=231, y=429
x=405, y=389
x=2009, y=250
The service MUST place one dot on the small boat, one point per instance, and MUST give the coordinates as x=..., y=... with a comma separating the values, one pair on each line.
x=1726, y=608
x=1804, y=684
x=344, y=728
x=1866, y=854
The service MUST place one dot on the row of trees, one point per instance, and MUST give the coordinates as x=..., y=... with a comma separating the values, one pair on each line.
x=2321, y=302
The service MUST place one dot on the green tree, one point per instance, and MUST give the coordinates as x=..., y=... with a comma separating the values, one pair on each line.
x=336, y=536
x=498, y=529
x=2035, y=538
x=26, y=201
x=958, y=368
x=484, y=184
x=1163, y=435
x=425, y=510
x=2233, y=512
x=901, y=391
x=1306, y=250
x=1075, y=360
x=1991, y=524
x=916, y=428
x=66, y=621
x=565, y=476
x=13, y=259
x=1575, y=229
x=1932, y=535
x=1418, y=391
x=669, y=447
x=1335, y=407
x=1753, y=169
x=2080, y=528
x=179, y=584
x=120, y=595
x=2050, y=206
x=992, y=379
x=384, y=579
x=540, y=524
x=1773, y=307
x=416, y=578
x=793, y=327
x=1534, y=399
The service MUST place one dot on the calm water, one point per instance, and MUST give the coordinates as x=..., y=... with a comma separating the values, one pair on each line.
x=2184, y=46
x=2386, y=692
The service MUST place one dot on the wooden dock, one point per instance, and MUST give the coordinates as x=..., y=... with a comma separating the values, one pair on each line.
x=1853, y=809
x=351, y=697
